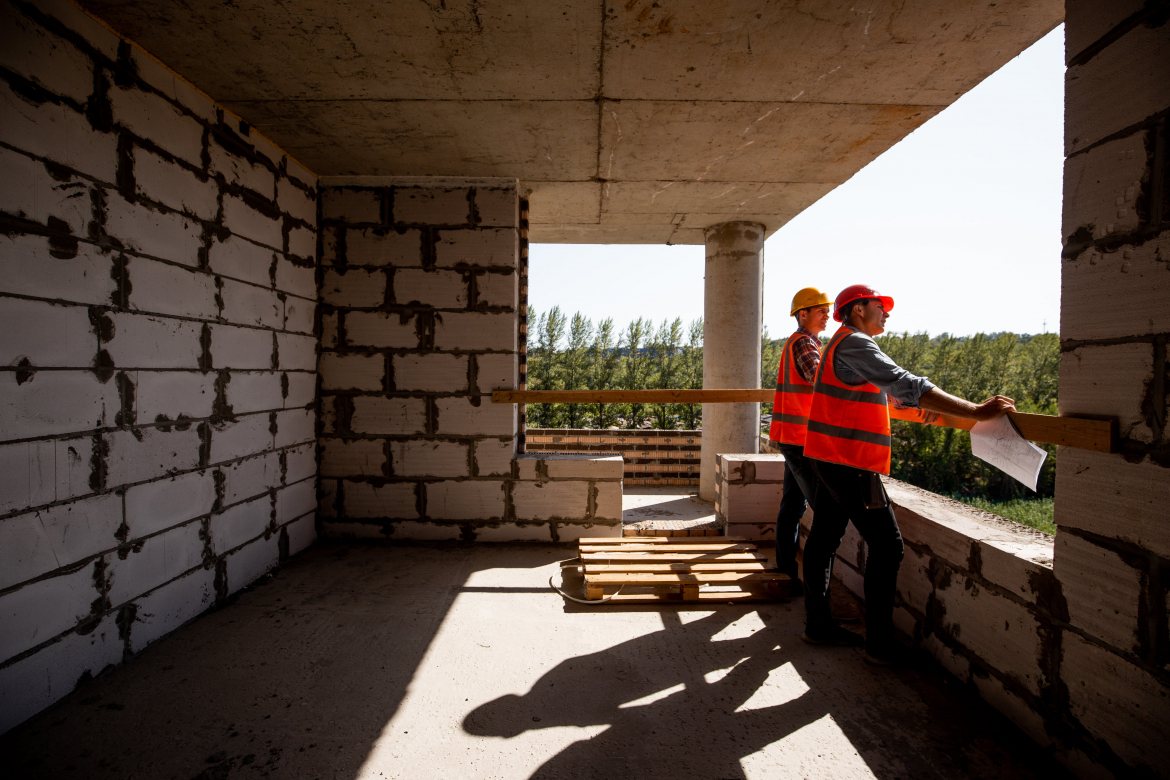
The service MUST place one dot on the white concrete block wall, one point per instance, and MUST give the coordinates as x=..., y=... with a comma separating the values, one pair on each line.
x=1112, y=557
x=747, y=494
x=976, y=592
x=419, y=323
x=158, y=382
x=566, y=496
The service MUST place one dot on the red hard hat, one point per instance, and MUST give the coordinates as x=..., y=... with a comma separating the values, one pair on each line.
x=856, y=292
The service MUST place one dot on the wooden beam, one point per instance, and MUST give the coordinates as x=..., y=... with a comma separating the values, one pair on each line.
x=632, y=396
x=1097, y=435
x=1085, y=434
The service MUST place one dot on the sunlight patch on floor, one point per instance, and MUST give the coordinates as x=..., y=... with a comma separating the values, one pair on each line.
x=654, y=697
x=713, y=677
x=742, y=628
x=818, y=751
x=782, y=686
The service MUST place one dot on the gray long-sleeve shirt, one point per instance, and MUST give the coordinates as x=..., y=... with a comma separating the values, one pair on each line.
x=859, y=359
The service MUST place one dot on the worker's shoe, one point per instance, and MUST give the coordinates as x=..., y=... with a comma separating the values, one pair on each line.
x=846, y=616
x=832, y=634
x=889, y=653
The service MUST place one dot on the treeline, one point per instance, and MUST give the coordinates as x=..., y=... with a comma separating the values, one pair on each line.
x=939, y=459
x=573, y=353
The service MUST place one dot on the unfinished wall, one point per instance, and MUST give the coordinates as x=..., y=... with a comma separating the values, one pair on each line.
x=983, y=596
x=157, y=297
x=420, y=322
x=747, y=494
x=1113, y=549
x=561, y=498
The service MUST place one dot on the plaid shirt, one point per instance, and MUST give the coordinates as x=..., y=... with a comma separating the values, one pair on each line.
x=806, y=353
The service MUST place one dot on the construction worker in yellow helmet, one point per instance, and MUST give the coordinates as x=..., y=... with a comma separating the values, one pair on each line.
x=794, y=387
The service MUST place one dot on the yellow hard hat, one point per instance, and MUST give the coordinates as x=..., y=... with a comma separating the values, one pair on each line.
x=809, y=297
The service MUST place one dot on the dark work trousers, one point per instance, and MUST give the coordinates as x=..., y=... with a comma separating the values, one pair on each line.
x=845, y=494
x=799, y=484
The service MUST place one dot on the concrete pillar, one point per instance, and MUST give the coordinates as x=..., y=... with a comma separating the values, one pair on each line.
x=733, y=308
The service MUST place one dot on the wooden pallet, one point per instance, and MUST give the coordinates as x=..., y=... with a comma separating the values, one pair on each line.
x=657, y=569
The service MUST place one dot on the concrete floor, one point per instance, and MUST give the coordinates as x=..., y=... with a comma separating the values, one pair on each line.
x=459, y=662
x=667, y=507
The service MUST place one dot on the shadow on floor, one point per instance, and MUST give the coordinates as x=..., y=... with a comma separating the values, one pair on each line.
x=457, y=662
x=709, y=723
x=296, y=677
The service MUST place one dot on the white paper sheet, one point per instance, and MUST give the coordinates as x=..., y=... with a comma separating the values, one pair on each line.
x=1000, y=444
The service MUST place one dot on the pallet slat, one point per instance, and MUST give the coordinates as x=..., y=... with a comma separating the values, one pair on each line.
x=700, y=545
x=705, y=597
x=593, y=541
x=613, y=557
x=646, y=568
x=686, y=578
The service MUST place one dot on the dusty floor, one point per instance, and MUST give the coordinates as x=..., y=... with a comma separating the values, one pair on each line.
x=459, y=662
x=671, y=507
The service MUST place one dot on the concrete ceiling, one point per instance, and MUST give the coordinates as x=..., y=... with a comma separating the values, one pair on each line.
x=631, y=121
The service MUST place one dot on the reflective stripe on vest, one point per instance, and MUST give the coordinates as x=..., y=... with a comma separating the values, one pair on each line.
x=848, y=424
x=793, y=398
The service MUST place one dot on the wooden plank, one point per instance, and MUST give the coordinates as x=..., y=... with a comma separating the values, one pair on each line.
x=632, y=396
x=701, y=544
x=705, y=597
x=624, y=540
x=943, y=421
x=650, y=568
x=669, y=557
x=690, y=592
x=1096, y=435
x=680, y=578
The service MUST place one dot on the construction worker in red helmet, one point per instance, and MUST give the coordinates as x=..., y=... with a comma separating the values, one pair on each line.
x=847, y=447
x=794, y=386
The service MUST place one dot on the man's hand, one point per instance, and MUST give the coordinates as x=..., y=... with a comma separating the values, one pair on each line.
x=930, y=417
x=994, y=407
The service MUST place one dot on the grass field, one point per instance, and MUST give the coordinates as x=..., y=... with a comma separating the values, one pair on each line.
x=1034, y=512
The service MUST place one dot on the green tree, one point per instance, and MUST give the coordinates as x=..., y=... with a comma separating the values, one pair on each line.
x=575, y=366
x=635, y=366
x=691, y=374
x=665, y=351
x=544, y=370
x=604, y=361
x=770, y=351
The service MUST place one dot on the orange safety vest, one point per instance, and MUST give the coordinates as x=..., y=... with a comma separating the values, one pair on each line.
x=793, y=398
x=848, y=424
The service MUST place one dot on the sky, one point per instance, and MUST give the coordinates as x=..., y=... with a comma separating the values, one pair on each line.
x=959, y=222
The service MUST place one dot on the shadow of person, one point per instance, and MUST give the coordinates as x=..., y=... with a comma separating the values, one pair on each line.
x=673, y=701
